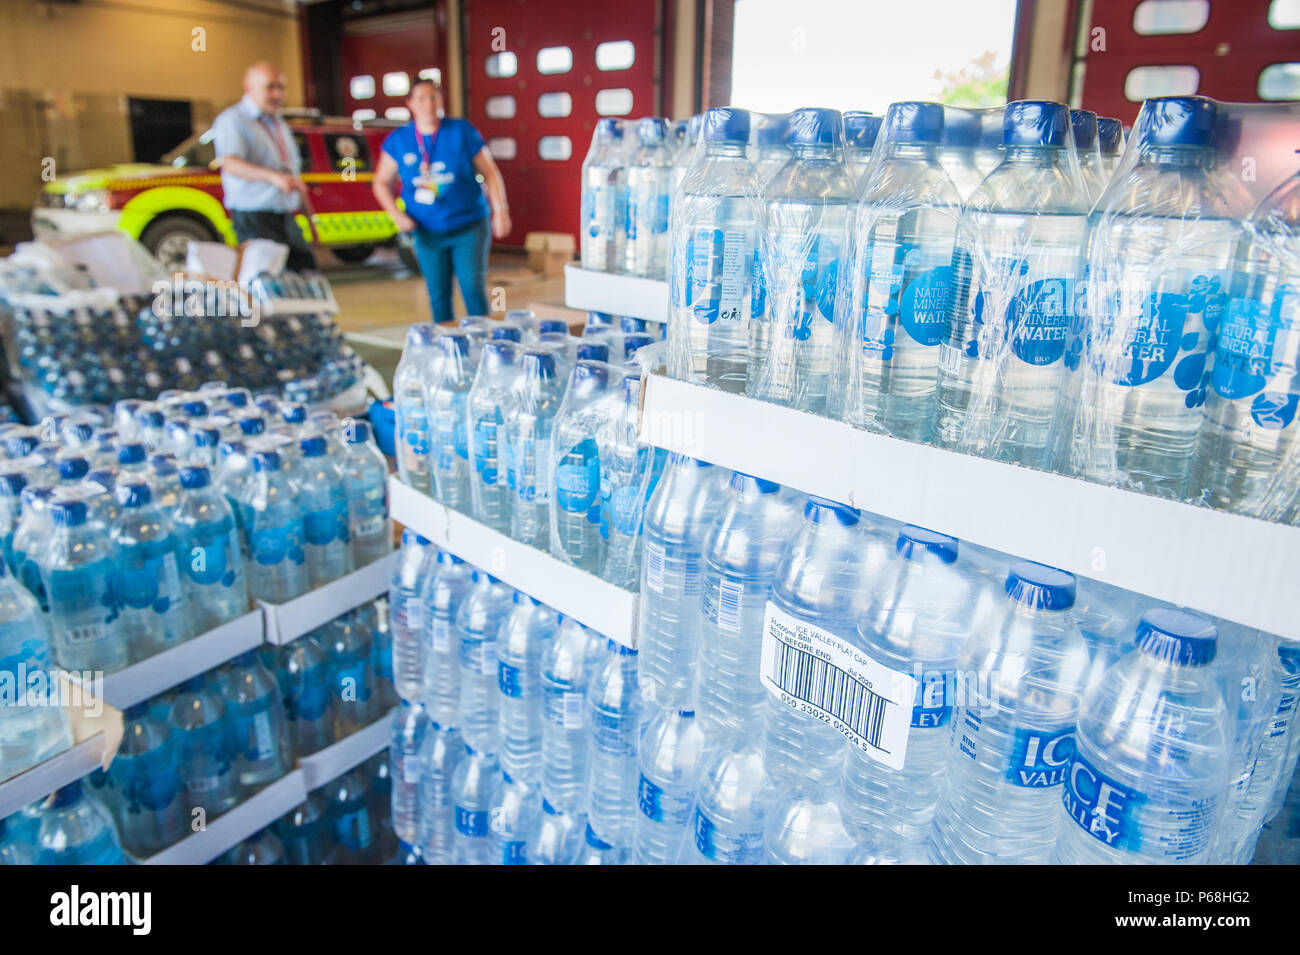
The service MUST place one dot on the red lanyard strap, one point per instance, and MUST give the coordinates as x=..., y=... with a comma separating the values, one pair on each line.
x=272, y=130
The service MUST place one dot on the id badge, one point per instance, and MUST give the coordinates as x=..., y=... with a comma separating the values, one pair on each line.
x=424, y=195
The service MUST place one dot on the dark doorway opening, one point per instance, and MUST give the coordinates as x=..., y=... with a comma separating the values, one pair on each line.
x=157, y=126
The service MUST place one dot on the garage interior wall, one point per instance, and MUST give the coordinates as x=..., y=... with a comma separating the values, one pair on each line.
x=67, y=69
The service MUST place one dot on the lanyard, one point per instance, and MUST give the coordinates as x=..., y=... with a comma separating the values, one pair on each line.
x=425, y=164
x=272, y=130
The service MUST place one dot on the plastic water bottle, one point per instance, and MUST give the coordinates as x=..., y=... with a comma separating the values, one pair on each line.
x=604, y=199
x=303, y=672
x=1013, y=733
x=585, y=413
x=272, y=524
x=522, y=640
x=918, y=615
x=771, y=145
x=164, y=477
x=202, y=739
x=34, y=529
x=488, y=408
x=669, y=759
x=13, y=478
x=1160, y=259
x=440, y=752
x=12, y=851
x=31, y=730
x=410, y=725
x=962, y=130
x=406, y=603
x=686, y=153
x=516, y=806
x=537, y=395
x=649, y=181
x=478, y=622
x=593, y=850
x=1247, y=452
x=351, y=822
x=895, y=302
x=1110, y=140
x=741, y=554
x=412, y=417
x=567, y=665
x=614, y=717
x=446, y=401
x=1150, y=765
x=449, y=580
x=347, y=649
x=714, y=237
x=155, y=615
x=322, y=498
x=556, y=838
x=74, y=831
x=150, y=805
x=629, y=471
x=800, y=247
x=373, y=617
x=255, y=720
x=211, y=561
x=1017, y=265
x=806, y=827
x=302, y=832
x=471, y=794
x=734, y=799
x=1084, y=124
x=365, y=484
x=818, y=585
x=860, y=132
x=78, y=570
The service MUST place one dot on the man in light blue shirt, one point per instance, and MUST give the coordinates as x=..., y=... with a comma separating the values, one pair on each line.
x=260, y=166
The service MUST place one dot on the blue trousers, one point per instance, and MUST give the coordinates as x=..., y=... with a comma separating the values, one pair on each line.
x=463, y=251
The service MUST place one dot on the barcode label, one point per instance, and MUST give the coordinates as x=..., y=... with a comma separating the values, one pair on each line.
x=441, y=634
x=731, y=594
x=819, y=674
x=654, y=567
x=949, y=358
x=573, y=710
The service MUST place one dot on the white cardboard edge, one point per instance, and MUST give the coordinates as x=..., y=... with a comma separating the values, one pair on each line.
x=280, y=307
x=151, y=676
x=1232, y=567
x=57, y=771
x=607, y=609
x=233, y=827
x=336, y=759
x=590, y=291
x=288, y=621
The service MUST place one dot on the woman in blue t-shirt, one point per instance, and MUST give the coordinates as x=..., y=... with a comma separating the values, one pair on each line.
x=433, y=160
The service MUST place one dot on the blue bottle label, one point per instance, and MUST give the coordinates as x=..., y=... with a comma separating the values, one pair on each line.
x=1174, y=329
x=352, y=682
x=613, y=732
x=151, y=586
x=485, y=450
x=254, y=736
x=577, y=479
x=413, y=425
x=563, y=707
x=320, y=527
x=745, y=848
x=660, y=806
x=721, y=273
x=1040, y=758
x=452, y=443
x=925, y=308
x=758, y=287
x=352, y=830
x=153, y=784
x=510, y=680
x=274, y=545
x=309, y=703
x=1038, y=321
x=1244, y=363
x=935, y=693
x=210, y=565
x=471, y=823
x=514, y=853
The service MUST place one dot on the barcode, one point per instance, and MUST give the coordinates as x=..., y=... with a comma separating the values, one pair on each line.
x=654, y=567
x=821, y=684
x=730, y=595
x=573, y=711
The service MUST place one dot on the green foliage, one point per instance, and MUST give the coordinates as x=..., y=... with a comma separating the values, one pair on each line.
x=977, y=86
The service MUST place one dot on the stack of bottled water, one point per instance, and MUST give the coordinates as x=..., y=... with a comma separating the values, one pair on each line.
x=533, y=432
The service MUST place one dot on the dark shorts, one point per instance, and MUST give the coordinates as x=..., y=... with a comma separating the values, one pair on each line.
x=279, y=227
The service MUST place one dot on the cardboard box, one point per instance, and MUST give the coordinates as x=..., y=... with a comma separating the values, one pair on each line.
x=549, y=252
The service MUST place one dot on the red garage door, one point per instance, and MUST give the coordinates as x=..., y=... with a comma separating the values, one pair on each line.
x=538, y=75
x=381, y=56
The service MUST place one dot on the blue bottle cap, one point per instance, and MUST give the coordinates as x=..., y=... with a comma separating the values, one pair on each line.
x=961, y=128
x=1084, y=124
x=523, y=598
x=506, y=333
x=356, y=431
x=12, y=479
x=446, y=557
x=150, y=418
x=206, y=437
x=269, y=404
x=552, y=325
x=914, y=123
x=630, y=324
x=694, y=126
x=772, y=131
x=820, y=509
x=20, y=445
x=913, y=542
x=618, y=649
x=293, y=413
x=73, y=469
x=68, y=513
x=686, y=714
x=609, y=129
x=132, y=453
x=593, y=352
x=497, y=353
x=106, y=477
x=632, y=342
x=861, y=129
x=408, y=536
x=1040, y=586
x=33, y=493
x=195, y=409
x=134, y=494
x=236, y=398
x=1035, y=122
x=454, y=341
x=81, y=431
x=1289, y=653
x=652, y=129
x=420, y=336
x=227, y=448
x=747, y=482
x=725, y=124
x=163, y=464
x=195, y=476
x=539, y=362
x=1109, y=133
x=1177, y=636
x=266, y=461
x=312, y=446
x=811, y=126
x=1178, y=121
x=252, y=424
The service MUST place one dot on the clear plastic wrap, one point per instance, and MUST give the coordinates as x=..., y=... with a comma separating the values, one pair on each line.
x=714, y=229
x=1016, y=268
x=802, y=233
x=1088, y=148
x=1167, y=282
x=604, y=199
x=860, y=132
x=649, y=190
x=894, y=291
x=769, y=144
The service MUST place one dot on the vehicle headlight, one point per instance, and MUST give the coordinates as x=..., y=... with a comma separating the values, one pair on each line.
x=95, y=200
